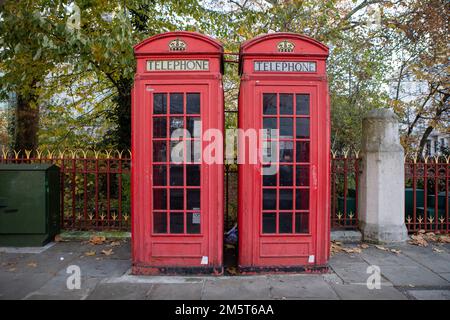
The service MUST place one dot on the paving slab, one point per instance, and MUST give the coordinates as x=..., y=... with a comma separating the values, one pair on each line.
x=412, y=275
x=307, y=286
x=15, y=286
x=374, y=256
x=446, y=276
x=56, y=289
x=430, y=294
x=236, y=288
x=436, y=261
x=120, y=291
x=361, y=292
x=99, y=267
x=191, y=291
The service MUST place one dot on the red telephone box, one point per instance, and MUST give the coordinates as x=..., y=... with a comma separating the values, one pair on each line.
x=284, y=225
x=177, y=200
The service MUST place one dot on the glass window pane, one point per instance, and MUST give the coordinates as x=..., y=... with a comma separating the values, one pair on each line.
x=159, y=176
x=176, y=199
x=160, y=103
x=193, y=175
x=301, y=222
x=269, y=103
x=193, y=103
x=286, y=151
x=193, y=222
x=302, y=128
x=286, y=103
x=286, y=175
x=270, y=123
x=159, y=151
x=176, y=123
x=303, y=151
x=302, y=101
x=285, y=222
x=302, y=199
x=176, y=103
x=269, y=151
x=286, y=199
x=193, y=199
x=269, y=179
x=269, y=223
x=160, y=199
x=160, y=222
x=196, y=150
x=194, y=126
x=159, y=127
x=302, y=176
x=286, y=128
x=176, y=175
x=177, y=151
x=269, y=199
x=176, y=222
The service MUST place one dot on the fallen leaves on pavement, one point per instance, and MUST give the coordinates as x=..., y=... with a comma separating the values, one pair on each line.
x=115, y=243
x=107, y=252
x=90, y=253
x=422, y=238
x=438, y=250
x=32, y=264
x=396, y=251
x=381, y=248
x=95, y=240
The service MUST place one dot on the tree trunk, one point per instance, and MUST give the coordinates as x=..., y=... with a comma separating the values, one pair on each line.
x=26, y=124
x=423, y=140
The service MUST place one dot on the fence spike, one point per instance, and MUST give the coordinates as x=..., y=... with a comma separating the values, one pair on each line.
x=73, y=154
x=119, y=153
x=108, y=153
x=16, y=154
x=61, y=154
x=346, y=151
x=38, y=153
x=84, y=153
x=4, y=153
x=357, y=153
x=49, y=154
x=334, y=153
x=129, y=152
x=96, y=154
x=27, y=154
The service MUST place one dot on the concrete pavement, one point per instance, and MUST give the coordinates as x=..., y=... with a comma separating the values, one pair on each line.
x=413, y=273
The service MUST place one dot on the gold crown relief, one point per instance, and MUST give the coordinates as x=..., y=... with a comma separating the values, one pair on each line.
x=285, y=46
x=177, y=45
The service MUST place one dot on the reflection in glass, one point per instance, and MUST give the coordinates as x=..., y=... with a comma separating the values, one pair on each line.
x=269, y=199
x=286, y=199
x=193, y=175
x=269, y=223
x=302, y=199
x=302, y=101
x=176, y=222
x=159, y=151
x=302, y=176
x=176, y=199
x=176, y=103
x=194, y=126
x=286, y=103
x=160, y=199
x=176, y=175
x=302, y=151
x=286, y=175
x=193, y=103
x=286, y=128
x=269, y=179
x=159, y=103
x=193, y=199
x=302, y=128
x=301, y=222
x=160, y=222
x=285, y=222
x=193, y=222
x=176, y=123
x=269, y=103
x=159, y=175
x=159, y=127
x=286, y=151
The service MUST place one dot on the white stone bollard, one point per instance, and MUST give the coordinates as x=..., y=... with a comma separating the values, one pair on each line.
x=382, y=180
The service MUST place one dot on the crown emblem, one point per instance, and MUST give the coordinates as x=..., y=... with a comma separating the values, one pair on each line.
x=177, y=45
x=285, y=46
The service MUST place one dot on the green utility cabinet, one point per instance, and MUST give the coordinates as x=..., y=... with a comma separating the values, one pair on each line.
x=29, y=204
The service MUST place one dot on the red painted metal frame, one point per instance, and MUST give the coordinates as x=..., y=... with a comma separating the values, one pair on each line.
x=155, y=253
x=259, y=251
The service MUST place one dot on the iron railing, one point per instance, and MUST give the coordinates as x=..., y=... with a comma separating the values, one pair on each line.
x=95, y=189
x=427, y=193
x=95, y=186
x=344, y=189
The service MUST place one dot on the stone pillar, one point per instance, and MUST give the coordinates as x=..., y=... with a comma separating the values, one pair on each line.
x=382, y=181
